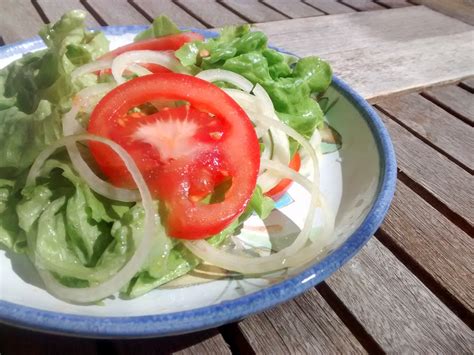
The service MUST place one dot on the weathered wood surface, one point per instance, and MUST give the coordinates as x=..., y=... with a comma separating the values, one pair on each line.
x=254, y=11
x=433, y=242
x=395, y=3
x=428, y=49
x=363, y=5
x=19, y=20
x=434, y=125
x=55, y=9
x=307, y=317
x=123, y=13
x=212, y=13
x=394, y=306
x=156, y=8
x=469, y=83
x=461, y=9
x=293, y=9
x=458, y=100
x=330, y=6
x=433, y=171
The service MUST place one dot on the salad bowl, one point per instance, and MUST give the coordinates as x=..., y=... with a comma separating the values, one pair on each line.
x=358, y=175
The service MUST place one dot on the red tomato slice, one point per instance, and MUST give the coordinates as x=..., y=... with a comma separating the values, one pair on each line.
x=279, y=190
x=170, y=42
x=183, y=152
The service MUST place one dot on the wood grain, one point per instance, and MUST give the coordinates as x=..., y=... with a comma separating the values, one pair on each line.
x=307, y=317
x=253, y=10
x=205, y=342
x=434, y=124
x=55, y=9
x=16, y=341
x=211, y=12
x=395, y=3
x=155, y=8
x=428, y=49
x=469, y=82
x=363, y=5
x=330, y=6
x=443, y=178
x=293, y=9
x=19, y=20
x=123, y=13
x=461, y=9
x=400, y=313
x=455, y=99
x=437, y=245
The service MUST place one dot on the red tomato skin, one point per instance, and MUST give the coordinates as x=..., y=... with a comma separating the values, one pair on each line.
x=279, y=190
x=238, y=150
x=170, y=42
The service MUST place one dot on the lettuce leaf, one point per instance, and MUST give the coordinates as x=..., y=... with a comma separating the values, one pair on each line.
x=290, y=82
x=36, y=90
x=161, y=26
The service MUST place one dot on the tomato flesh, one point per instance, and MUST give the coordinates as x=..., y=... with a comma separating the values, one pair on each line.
x=183, y=152
x=279, y=190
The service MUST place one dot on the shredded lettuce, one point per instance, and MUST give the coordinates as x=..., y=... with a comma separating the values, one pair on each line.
x=36, y=90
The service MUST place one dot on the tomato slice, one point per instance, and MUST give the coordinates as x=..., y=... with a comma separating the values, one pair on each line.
x=170, y=42
x=184, y=152
x=279, y=190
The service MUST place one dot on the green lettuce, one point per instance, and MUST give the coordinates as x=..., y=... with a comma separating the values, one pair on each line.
x=161, y=26
x=36, y=90
x=291, y=83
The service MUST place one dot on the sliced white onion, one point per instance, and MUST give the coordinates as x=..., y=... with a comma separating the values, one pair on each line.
x=273, y=262
x=151, y=230
x=125, y=60
x=92, y=67
x=276, y=140
x=88, y=97
x=230, y=77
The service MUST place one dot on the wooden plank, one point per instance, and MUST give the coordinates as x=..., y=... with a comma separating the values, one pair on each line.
x=455, y=99
x=24, y=342
x=212, y=13
x=443, y=178
x=434, y=124
x=253, y=10
x=19, y=20
x=123, y=13
x=460, y=9
x=55, y=9
x=293, y=9
x=469, y=82
x=441, y=248
x=205, y=342
x=155, y=8
x=304, y=325
x=330, y=6
x=363, y=5
x=428, y=49
x=395, y=3
x=392, y=305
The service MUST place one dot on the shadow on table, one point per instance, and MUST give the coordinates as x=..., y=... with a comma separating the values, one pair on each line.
x=20, y=341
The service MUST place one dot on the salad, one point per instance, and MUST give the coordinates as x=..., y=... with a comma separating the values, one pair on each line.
x=122, y=170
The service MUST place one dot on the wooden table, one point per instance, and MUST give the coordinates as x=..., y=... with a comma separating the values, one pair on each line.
x=411, y=288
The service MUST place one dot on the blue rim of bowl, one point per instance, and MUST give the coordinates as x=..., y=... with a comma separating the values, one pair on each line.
x=227, y=311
